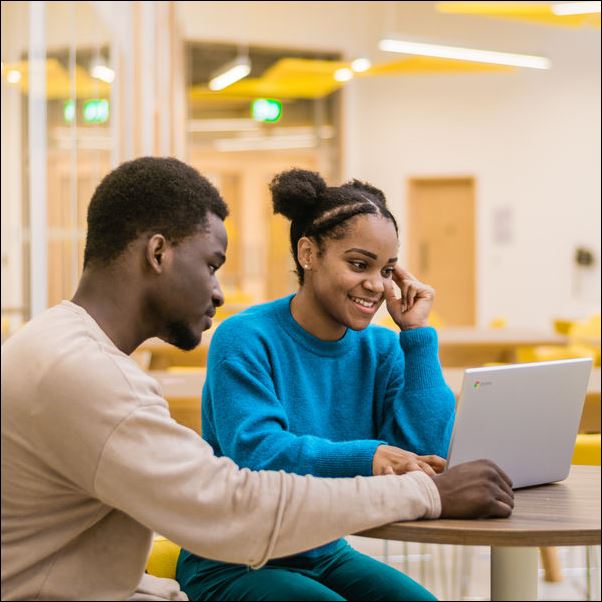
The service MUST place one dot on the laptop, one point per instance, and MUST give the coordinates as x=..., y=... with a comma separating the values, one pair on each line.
x=524, y=417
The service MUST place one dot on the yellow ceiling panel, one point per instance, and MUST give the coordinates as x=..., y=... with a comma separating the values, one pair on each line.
x=287, y=68
x=425, y=64
x=254, y=88
x=291, y=78
x=521, y=11
x=287, y=78
x=58, y=84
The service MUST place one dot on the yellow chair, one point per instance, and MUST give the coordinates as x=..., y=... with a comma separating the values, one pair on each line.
x=587, y=449
x=583, y=341
x=163, y=558
x=498, y=322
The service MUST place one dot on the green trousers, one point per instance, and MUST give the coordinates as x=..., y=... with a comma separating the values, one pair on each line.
x=343, y=574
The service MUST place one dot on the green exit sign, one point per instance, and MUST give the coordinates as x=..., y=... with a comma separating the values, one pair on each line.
x=96, y=110
x=266, y=109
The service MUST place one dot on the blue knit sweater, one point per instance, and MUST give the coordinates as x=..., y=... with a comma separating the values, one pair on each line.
x=278, y=398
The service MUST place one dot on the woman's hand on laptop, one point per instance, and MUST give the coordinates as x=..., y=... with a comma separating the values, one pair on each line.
x=477, y=489
x=394, y=460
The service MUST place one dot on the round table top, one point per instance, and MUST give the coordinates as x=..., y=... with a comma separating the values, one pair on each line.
x=559, y=514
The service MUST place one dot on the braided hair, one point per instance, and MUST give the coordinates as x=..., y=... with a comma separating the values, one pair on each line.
x=322, y=212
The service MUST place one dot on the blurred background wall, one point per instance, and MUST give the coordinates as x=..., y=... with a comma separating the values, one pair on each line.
x=493, y=172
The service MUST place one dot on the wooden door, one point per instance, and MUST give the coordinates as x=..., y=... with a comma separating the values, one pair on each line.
x=441, y=244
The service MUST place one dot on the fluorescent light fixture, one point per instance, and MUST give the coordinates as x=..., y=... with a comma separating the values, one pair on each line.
x=465, y=54
x=361, y=64
x=343, y=75
x=13, y=76
x=576, y=8
x=232, y=72
x=103, y=73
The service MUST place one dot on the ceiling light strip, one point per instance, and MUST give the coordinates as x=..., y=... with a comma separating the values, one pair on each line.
x=231, y=73
x=465, y=54
x=576, y=8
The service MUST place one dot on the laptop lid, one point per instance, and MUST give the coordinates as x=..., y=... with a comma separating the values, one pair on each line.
x=524, y=417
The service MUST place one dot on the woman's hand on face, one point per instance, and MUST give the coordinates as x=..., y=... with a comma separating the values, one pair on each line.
x=394, y=460
x=412, y=309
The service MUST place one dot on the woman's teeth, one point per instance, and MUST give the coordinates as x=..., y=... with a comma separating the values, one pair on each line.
x=363, y=302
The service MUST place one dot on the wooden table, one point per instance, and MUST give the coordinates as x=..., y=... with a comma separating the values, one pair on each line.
x=590, y=419
x=464, y=346
x=560, y=514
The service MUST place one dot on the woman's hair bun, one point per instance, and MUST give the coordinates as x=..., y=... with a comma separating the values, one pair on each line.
x=296, y=193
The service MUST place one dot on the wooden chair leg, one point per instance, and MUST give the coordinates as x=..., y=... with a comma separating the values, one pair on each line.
x=551, y=564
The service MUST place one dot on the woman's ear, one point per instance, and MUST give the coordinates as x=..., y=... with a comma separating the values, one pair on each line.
x=306, y=252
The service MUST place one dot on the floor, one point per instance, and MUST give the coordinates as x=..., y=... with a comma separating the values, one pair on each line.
x=439, y=568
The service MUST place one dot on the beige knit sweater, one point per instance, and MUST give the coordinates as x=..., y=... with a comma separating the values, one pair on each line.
x=92, y=464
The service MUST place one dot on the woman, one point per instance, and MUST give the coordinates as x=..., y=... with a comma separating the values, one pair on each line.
x=306, y=385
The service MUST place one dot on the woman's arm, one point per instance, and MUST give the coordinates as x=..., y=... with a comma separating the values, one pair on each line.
x=249, y=424
x=418, y=408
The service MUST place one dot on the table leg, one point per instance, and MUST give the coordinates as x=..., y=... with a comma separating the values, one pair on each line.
x=514, y=573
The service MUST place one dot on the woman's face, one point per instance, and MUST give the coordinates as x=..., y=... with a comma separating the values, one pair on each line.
x=346, y=280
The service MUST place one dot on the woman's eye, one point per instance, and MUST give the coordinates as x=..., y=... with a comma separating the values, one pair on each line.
x=388, y=272
x=212, y=269
x=358, y=265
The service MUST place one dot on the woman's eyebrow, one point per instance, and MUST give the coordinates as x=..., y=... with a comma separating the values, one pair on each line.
x=369, y=254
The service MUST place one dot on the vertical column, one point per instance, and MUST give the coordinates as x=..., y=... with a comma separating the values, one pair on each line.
x=37, y=158
x=514, y=573
x=14, y=287
x=149, y=96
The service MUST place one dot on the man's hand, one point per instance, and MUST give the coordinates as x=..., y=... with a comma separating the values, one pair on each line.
x=394, y=460
x=477, y=489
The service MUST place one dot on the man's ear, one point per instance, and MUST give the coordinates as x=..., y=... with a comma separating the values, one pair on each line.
x=157, y=250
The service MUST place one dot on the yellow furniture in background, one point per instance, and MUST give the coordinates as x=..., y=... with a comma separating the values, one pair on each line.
x=583, y=341
x=587, y=449
x=235, y=301
x=498, y=322
x=163, y=558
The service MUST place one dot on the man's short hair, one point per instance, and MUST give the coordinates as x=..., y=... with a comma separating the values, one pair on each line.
x=148, y=195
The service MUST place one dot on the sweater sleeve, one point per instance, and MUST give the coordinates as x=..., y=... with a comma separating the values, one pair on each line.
x=168, y=479
x=250, y=425
x=419, y=408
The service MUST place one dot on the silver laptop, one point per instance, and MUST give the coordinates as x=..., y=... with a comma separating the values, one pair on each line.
x=524, y=417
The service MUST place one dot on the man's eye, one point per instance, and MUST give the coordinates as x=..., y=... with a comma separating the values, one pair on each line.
x=212, y=268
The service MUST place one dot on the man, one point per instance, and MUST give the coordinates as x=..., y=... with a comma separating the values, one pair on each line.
x=92, y=463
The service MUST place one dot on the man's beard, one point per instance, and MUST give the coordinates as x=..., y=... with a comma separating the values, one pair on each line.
x=180, y=335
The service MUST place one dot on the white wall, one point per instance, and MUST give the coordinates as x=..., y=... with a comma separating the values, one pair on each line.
x=531, y=138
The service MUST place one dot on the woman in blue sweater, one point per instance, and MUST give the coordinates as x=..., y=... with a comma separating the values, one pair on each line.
x=304, y=384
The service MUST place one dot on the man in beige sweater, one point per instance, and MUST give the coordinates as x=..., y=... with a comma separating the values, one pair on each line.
x=92, y=462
